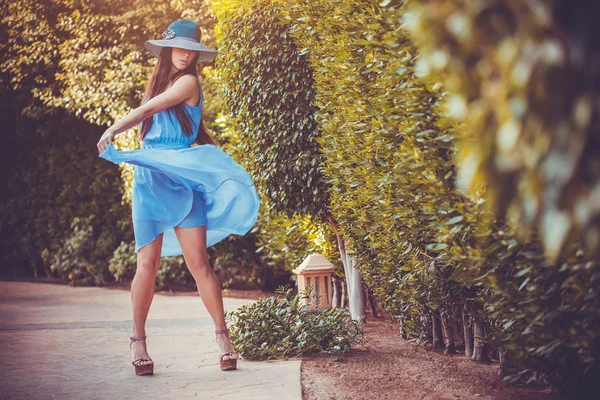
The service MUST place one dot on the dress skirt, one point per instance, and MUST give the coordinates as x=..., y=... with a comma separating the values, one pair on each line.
x=178, y=185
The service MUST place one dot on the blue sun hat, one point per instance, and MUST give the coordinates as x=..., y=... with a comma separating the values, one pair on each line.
x=183, y=34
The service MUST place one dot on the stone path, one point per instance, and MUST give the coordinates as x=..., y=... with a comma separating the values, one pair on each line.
x=63, y=342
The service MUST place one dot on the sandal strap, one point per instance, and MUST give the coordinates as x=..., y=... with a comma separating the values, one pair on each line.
x=221, y=331
x=230, y=354
x=137, y=338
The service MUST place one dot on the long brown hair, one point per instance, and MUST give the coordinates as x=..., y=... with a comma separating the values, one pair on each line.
x=158, y=83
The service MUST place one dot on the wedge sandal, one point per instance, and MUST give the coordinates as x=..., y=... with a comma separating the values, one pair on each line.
x=141, y=369
x=230, y=363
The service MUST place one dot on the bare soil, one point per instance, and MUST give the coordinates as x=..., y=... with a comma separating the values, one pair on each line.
x=385, y=366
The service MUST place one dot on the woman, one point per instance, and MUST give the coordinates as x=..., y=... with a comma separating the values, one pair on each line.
x=185, y=198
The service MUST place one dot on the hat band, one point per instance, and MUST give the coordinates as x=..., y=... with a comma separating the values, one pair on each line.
x=169, y=34
x=185, y=38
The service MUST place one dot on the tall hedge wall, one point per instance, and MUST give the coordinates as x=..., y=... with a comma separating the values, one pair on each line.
x=439, y=259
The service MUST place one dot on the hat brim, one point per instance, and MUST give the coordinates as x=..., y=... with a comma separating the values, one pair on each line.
x=155, y=47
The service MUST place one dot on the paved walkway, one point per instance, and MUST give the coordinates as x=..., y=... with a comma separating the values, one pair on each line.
x=67, y=342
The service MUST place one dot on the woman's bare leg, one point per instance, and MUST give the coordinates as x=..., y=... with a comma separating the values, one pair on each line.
x=193, y=245
x=142, y=293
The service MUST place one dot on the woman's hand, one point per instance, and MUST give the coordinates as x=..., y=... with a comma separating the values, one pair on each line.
x=105, y=140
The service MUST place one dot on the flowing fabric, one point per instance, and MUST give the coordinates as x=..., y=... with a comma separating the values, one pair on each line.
x=178, y=185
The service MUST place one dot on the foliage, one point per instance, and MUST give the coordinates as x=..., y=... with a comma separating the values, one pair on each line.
x=74, y=258
x=278, y=243
x=278, y=328
x=88, y=56
x=389, y=157
x=527, y=136
x=269, y=111
x=526, y=99
x=53, y=185
x=63, y=62
x=268, y=87
x=391, y=175
x=123, y=262
x=289, y=241
x=546, y=313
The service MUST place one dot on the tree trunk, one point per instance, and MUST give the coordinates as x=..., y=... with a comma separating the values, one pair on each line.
x=502, y=359
x=400, y=320
x=336, y=295
x=448, y=332
x=354, y=282
x=468, y=331
x=438, y=341
x=372, y=302
x=459, y=334
x=41, y=264
x=356, y=292
x=479, y=338
x=33, y=264
x=492, y=350
x=343, y=295
x=46, y=270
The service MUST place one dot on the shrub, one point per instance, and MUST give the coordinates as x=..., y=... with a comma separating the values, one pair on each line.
x=278, y=328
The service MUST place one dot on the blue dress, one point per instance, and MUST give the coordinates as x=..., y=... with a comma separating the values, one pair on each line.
x=178, y=185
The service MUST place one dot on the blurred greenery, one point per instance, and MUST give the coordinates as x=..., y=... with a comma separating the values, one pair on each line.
x=522, y=80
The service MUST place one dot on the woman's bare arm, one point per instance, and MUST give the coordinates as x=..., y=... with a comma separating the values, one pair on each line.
x=182, y=90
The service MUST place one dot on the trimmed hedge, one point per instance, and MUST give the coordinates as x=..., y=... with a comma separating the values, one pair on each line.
x=436, y=258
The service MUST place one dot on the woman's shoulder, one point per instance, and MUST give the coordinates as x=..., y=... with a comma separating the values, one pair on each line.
x=189, y=78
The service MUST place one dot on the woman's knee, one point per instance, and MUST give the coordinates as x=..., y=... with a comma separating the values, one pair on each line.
x=148, y=265
x=198, y=266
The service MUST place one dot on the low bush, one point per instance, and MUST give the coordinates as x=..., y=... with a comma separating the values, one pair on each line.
x=278, y=328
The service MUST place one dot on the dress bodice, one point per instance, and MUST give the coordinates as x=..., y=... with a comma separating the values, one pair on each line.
x=166, y=130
